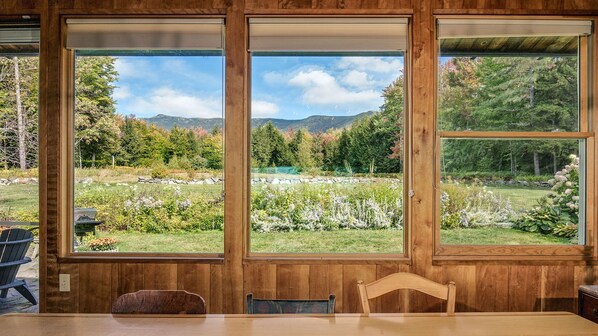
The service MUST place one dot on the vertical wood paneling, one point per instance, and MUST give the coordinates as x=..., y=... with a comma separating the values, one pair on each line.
x=195, y=278
x=352, y=273
x=160, y=276
x=524, y=288
x=492, y=288
x=95, y=288
x=464, y=278
x=558, y=292
x=325, y=280
x=130, y=278
x=292, y=282
x=215, y=289
x=260, y=279
x=64, y=302
x=394, y=302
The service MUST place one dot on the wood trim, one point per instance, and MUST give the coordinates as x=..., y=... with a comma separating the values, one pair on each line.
x=360, y=259
x=236, y=158
x=519, y=12
x=529, y=252
x=143, y=11
x=116, y=258
x=322, y=12
x=515, y=135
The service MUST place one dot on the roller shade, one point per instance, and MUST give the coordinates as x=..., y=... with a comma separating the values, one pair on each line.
x=327, y=34
x=478, y=28
x=140, y=34
x=18, y=35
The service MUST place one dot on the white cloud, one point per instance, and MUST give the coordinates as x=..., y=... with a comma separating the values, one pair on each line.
x=372, y=64
x=129, y=68
x=357, y=79
x=121, y=92
x=274, y=78
x=171, y=102
x=263, y=109
x=322, y=89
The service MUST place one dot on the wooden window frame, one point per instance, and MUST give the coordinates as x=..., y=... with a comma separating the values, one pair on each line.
x=588, y=52
x=339, y=258
x=67, y=173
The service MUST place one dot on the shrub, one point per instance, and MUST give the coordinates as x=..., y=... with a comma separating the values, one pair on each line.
x=463, y=206
x=323, y=207
x=159, y=172
x=102, y=244
x=557, y=213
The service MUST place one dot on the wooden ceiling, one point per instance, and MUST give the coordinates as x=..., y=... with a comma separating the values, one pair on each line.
x=543, y=45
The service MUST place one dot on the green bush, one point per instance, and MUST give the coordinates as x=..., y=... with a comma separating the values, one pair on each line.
x=159, y=172
x=151, y=208
x=558, y=213
x=323, y=207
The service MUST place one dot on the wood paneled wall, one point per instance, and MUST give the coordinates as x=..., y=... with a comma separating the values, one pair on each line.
x=481, y=285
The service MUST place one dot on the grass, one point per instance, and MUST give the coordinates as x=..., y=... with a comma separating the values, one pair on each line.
x=346, y=241
x=521, y=198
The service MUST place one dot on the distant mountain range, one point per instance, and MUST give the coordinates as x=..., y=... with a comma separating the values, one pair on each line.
x=314, y=124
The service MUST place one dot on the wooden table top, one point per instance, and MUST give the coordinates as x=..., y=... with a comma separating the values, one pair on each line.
x=463, y=324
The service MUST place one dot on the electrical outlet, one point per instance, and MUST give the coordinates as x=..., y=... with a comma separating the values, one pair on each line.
x=64, y=281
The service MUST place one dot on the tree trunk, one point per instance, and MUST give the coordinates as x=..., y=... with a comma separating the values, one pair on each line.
x=554, y=163
x=93, y=159
x=536, y=164
x=20, y=118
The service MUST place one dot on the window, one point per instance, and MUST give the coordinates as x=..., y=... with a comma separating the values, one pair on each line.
x=148, y=135
x=512, y=131
x=327, y=135
x=19, y=110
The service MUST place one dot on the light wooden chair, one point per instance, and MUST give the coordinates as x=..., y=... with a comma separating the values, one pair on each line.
x=406, y=281
x=159, y=302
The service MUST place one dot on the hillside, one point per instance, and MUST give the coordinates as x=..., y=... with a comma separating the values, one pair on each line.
x=313, y=124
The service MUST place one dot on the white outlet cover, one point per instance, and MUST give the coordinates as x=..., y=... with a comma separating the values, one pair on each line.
x=64, y=282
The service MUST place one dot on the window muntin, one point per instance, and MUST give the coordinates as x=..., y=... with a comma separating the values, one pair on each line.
x=148, y=138
x=511, y=127
x=333, y=183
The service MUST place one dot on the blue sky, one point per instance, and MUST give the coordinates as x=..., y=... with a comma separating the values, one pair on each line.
x=287, y=87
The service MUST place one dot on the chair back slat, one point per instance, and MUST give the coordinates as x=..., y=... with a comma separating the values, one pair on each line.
x=268, y=306
x=13, y=247
x=159, y=302
x=403, y=280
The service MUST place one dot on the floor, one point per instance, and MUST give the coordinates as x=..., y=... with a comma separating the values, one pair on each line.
x=14, y=302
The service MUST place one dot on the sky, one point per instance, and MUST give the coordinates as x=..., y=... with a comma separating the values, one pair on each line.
x=286, y=87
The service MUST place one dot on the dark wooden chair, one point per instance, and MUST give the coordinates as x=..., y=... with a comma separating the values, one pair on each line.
x=13, y=247
x=159, y=302
x=268, y=306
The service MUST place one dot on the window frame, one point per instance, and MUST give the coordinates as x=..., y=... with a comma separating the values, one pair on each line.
x=454, y=253
x=66, y=204
x=340, y=258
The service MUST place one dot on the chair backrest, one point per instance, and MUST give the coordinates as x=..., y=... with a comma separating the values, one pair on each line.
x=269, y=306
x=159, y=302
x=406, y=281
x=13, y=247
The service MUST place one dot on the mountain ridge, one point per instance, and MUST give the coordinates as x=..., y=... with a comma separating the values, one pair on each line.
x=314, y=124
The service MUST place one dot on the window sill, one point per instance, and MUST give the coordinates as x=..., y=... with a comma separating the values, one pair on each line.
x=281, y=258
x=132, y=258
x=541, y=254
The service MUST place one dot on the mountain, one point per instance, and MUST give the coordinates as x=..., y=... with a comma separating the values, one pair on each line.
x=314, y=124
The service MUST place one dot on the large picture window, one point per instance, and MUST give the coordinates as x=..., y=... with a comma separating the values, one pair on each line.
x=512, y=130
x=327, y=135
x=148, y=135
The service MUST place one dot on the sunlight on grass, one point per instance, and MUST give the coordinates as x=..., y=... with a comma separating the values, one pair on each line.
x=346, y=241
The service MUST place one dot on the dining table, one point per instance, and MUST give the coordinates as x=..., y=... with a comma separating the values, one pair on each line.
x=462, y=324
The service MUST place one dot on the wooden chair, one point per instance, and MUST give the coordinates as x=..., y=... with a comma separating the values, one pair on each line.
x=268, y=306
x=406, y=281
x=14, y=244
x=159, y=302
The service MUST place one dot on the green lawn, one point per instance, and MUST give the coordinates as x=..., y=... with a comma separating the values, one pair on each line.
x=346, y=241
x=521, y=198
